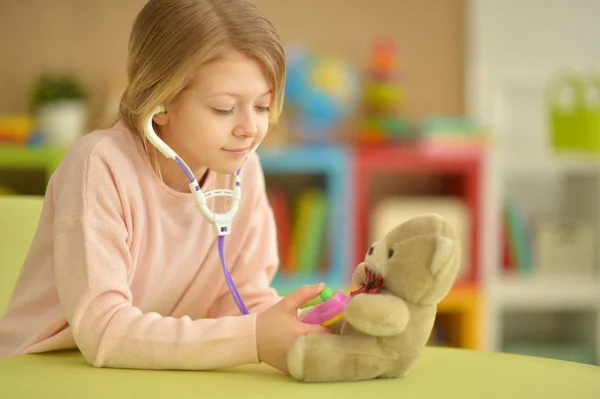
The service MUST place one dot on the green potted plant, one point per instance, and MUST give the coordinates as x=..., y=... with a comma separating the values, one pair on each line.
x=59, y=104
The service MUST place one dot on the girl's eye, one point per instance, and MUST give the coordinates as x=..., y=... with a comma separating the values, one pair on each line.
x=263, y=109
x=224, y=111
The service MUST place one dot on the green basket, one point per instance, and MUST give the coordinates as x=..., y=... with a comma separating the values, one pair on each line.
x=574, y=107
x=591, y=112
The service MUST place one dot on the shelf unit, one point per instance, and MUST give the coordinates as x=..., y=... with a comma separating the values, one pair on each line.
x=505, y=86
x=548, y=313
x=546, y=293
x=525, y=310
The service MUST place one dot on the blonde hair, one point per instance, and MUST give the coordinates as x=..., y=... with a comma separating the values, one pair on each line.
x=170, y=39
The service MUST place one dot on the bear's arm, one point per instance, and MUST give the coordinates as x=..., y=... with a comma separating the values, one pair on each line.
x=378, y=315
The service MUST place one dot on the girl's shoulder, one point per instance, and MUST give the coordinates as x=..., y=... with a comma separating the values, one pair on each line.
x=113, y=145
x=100, y=171
x=101, y=153
x=101, y=164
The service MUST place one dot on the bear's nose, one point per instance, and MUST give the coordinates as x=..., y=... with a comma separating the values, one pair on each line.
x=371, y=284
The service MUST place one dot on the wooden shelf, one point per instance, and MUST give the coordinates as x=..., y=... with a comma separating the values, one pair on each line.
x=547, y=293
x=22, y=157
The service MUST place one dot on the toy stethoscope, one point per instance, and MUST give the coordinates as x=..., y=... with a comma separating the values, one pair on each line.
x=220, y=221
x=327, y=312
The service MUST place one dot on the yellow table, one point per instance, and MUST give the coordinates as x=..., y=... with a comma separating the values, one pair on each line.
x=441, y=373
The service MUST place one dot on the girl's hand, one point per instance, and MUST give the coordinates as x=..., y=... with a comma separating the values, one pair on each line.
x=278, y=327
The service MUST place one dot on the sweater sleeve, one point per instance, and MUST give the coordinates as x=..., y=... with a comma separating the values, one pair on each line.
x=93, y=271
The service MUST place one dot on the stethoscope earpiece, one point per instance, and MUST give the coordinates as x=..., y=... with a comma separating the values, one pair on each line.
x=161, y=109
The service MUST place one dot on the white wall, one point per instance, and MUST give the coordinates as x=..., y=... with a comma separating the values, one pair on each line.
x=522, y=41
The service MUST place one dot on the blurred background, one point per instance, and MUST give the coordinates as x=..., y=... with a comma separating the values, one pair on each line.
x=485, y=111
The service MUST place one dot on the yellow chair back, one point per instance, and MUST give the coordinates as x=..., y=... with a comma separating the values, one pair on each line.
x=19, y=216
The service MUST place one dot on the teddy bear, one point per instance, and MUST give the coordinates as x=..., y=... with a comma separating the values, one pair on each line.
x=389, y=317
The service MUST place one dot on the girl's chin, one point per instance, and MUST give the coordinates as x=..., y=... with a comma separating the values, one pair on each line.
x=228, y=167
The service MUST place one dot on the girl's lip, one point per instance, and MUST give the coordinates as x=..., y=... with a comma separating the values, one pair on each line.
x=236, y=150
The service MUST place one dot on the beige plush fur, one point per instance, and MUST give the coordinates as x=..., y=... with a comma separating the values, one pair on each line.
x=383, y=334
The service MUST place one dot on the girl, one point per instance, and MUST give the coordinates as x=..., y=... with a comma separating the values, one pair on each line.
x=123, y=266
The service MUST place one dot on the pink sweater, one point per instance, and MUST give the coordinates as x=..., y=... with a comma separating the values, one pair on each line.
x=127, y=270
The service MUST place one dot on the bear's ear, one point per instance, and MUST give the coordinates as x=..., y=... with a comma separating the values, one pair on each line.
x=443, y=257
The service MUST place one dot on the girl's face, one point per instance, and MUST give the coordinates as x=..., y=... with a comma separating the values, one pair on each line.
x=220, y=116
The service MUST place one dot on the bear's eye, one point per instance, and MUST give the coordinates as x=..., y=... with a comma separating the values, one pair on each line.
x=371, y=251
x=390, y=253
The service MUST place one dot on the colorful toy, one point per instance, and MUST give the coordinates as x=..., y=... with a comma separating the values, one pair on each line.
x=388, y=321
x=330, y=310
x=15, y=129
x=383, y=95
x=322, y=91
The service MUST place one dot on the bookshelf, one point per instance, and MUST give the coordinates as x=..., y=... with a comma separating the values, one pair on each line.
x=544, y=299
x=542, y=306
x=543, y=281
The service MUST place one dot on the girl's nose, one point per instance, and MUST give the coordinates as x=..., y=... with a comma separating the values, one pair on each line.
x=246, y=127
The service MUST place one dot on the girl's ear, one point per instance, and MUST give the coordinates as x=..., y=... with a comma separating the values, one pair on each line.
x=161, y=117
